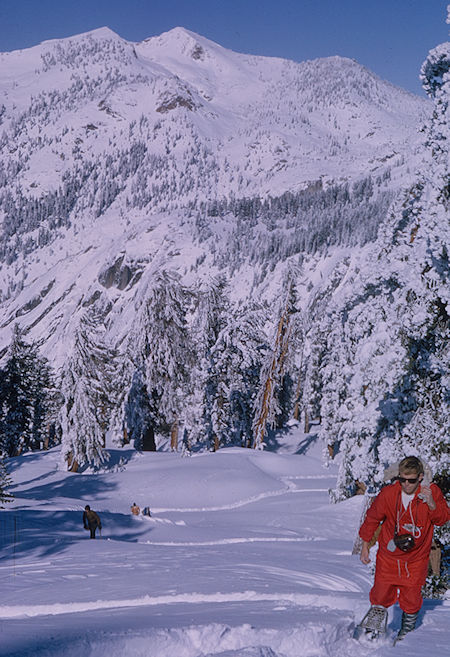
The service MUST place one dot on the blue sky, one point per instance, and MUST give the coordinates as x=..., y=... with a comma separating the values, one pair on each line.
x=390, y=37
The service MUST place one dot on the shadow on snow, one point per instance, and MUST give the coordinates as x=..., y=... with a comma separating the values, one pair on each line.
x=46, y=533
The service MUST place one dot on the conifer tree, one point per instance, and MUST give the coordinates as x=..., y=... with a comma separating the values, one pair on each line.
x=28, y=398
x=85, y=386
x=141, y=417
x=213, y=309
x=15, y=399
x=236, y=359
x=162, y=345
x=393, y=323
x=122, y=374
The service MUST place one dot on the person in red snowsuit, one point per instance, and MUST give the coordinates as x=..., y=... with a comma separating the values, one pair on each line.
x=407, y=509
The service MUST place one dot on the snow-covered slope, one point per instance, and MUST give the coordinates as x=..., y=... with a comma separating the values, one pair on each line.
x=243, y=557
x=109, y=149
x=274, y=121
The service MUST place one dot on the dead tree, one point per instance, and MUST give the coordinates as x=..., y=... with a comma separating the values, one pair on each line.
x=174, y=436
x=274, y=374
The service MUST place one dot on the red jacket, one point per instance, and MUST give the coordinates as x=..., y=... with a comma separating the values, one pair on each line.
x=387, y=507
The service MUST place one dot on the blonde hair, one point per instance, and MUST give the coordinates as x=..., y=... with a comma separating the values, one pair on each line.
x=411, y=464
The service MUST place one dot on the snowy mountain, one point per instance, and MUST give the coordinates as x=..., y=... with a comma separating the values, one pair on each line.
x=176, y=221
x=110, y=148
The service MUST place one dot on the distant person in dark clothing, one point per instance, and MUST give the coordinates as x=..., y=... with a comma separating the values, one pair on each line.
x=91, y=520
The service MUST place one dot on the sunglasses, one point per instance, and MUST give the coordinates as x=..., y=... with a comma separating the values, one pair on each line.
x=404, y=480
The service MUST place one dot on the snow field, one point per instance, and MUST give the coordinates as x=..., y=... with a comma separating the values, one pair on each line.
x=249, y=559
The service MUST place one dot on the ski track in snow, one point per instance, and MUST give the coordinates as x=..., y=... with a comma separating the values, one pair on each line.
x=241, y=503
x=243, y=539
x=299, y=599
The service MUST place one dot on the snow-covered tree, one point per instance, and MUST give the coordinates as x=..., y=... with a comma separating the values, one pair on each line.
x=86, y=389
x=161, y=345
x=15, y=402
x=236, y=359
x=141, y=414
x=392, y=325
x=211, y=316
x=28, y=398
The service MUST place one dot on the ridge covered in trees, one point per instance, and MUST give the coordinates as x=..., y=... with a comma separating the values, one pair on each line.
x=365, y=358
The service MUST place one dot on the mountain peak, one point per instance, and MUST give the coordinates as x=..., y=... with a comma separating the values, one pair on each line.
x=181, y=41
x=100, y=33
x=180, y=32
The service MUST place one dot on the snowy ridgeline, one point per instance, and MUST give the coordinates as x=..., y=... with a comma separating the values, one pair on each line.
x=177, y=121
x=243, y=556
x=160, y=277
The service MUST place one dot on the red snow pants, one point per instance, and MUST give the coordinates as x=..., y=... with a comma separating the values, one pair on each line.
x=396, y=579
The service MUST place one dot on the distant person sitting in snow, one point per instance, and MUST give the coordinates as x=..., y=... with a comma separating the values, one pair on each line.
x=91, y=520
x=146, y=511
x=135, y=510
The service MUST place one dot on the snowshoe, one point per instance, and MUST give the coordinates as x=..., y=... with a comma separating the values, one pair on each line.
x=373, y=625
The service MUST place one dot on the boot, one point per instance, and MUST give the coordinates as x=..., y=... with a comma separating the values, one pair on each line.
x=408, y=625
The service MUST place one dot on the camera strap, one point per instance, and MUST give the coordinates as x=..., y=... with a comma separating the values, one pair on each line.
x=410, y=527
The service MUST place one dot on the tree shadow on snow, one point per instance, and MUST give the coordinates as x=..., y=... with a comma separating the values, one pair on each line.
x=77, y=486
x=276, y=440
x=80, y=488
x=42, y=477
x=46, y=533
x=272, y=439
x=15, y=463
x=117, y=460
x=306, y=443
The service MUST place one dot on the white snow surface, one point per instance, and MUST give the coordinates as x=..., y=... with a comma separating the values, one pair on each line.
x=243, y=556
x=223, y=124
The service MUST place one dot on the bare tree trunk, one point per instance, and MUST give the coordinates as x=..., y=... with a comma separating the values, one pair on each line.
x=361, y=487
x=307, y=427
x=72, y=464
x=296, y=414
x=276, y=367
x=46, y=439
x=174, y=436
x=126, y=438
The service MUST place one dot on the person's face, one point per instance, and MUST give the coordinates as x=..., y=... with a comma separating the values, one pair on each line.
x=409, y=481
